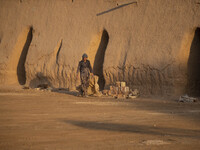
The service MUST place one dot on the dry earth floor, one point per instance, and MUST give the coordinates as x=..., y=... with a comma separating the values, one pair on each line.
x=42, y=120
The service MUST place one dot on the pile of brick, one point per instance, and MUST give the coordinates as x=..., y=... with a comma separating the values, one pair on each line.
x=93, y=88
x=120, y=90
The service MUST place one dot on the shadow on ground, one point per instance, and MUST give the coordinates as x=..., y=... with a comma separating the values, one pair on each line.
x=65, y=91
x=43, y=82
x=140, y=129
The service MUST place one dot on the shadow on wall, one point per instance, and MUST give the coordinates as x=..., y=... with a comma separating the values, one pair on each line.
x=193, y=85
x=99, y=59
x=21, y=73
x=39, y=80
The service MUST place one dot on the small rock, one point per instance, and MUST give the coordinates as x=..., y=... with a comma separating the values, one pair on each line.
x=37, y=89
x=132, y=96
x=186, y=98
x=25, y=87
x=43, y=86
x=49, y=89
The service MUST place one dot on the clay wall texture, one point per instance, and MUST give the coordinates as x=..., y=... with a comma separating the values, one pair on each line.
x=153, y=45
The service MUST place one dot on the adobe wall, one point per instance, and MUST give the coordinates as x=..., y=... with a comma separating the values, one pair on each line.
x=146, y=43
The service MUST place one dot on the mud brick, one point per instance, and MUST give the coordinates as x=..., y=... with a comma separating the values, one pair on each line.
x=118, y=84
x=122, y=90
x=123, y=84
x=115, y=89
x=122, y=96
x=126, y=89
x=111, y=88
x=105, y=92
x=110, y=93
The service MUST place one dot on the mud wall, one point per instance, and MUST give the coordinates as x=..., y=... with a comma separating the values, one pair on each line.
x=146, y=43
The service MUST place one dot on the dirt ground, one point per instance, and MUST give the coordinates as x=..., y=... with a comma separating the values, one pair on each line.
x=42, y=120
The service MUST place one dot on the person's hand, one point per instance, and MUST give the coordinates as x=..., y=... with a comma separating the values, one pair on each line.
x=91, y=74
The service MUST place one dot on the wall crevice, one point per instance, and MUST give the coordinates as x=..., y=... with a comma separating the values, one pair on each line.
x=99, y=59
x=21, y=72
x=193, y=80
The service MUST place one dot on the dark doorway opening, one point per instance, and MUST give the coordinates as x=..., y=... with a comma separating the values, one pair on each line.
x=193, y=85
x=21, y=73
x=99, y=59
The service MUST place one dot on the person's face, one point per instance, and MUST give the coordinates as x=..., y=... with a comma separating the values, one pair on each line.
x=85, y=58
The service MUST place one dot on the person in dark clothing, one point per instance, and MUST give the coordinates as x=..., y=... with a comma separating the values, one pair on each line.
x=85, y=69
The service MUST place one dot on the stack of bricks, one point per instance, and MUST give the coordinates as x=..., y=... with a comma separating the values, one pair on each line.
x=120, y=90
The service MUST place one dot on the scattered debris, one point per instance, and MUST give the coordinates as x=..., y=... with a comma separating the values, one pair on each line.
x=43, y=86
x=134, y=94
x=37, y=89
x=50, y=89
x=186, y=98
x=25, y=87
x=120, y=90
